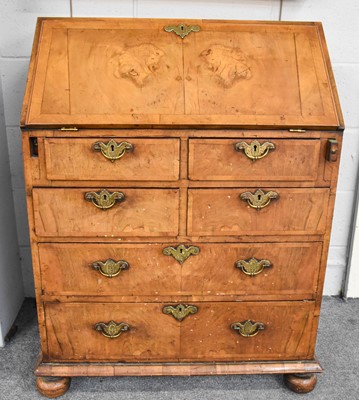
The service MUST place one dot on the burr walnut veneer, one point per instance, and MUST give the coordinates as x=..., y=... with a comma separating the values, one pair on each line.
x=180, y=180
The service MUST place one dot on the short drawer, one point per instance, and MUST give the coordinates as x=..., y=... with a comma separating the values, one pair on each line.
x=236, y=159
x=72, y=334
x=255, y=270
x=140, y=212
x=105, y=159
x=218, y=212
x=277, y=330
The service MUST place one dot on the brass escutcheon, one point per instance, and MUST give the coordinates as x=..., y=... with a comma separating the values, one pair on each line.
x=181, y=252
x=180, y=311
x=112, y=150
x=182, y=30
x=110, y=267
x=255, y=150
x=259, y=199
x=112, y=329
x=252, y=266
x=104, y=199
x=248, y=328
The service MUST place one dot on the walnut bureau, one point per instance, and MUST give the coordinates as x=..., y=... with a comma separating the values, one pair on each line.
x=180, y=180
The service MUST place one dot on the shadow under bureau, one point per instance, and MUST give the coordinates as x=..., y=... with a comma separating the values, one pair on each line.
x=180, y=180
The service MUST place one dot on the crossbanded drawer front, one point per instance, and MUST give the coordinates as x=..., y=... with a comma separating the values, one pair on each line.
x=113, y=159
x=277, y=330
x=269, y=211
x=99, y=213
x=263, y=270
x=73, y=333
x=249, y=159
x=198, y=331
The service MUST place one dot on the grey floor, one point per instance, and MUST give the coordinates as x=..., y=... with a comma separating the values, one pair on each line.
x=337, y=350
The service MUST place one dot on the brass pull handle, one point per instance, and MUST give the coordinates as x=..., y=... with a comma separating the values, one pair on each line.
x=255, y=150
x=248, y=328
x=112, y=329
x=181, y=311
x=110, y=268
x=252, y=266
x=104, y=199
x=259, y=199
x=112, y=150
x=181, y=252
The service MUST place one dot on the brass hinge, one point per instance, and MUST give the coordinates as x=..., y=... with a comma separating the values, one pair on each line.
x=297, y=130
x=332, y=150
x=72, y=128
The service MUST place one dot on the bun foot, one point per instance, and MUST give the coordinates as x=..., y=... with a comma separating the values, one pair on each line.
x=52, y=387
x=300, y=383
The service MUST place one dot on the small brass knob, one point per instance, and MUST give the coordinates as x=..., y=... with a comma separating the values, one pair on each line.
x=248, y=328
x=112, y=329
x=112, y=150
x=255, y=150
x=259, y=199
x=104, y=199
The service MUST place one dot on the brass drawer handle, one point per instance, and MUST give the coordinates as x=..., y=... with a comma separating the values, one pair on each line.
x=248, y=328
x=112, y=329
x=252, y=266
x=180, y=311
x=112, y=150
x=259, y=199
x=110, y=268
x=104, y=199
x=255, y=150
x=181, y=252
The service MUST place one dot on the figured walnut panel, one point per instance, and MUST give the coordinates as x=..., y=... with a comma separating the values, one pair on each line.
x=71, y=334
x=217, y=159
x=207, y=335
x=76, y=160
x=293, y=271
x=150, y=272
x=212, y=272
x=145, y=212
x=217, y=212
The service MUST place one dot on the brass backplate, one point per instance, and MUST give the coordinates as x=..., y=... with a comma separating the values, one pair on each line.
x=180, y=311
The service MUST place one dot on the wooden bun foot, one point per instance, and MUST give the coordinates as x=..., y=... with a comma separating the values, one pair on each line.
x=300, y=383
x=52, y=387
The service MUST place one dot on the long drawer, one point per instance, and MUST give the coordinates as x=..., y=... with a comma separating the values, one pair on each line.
x=113, y=159
x=266, y=270
x=226, y=331
x=218, y=212
x=254, y=159
x=135, y=212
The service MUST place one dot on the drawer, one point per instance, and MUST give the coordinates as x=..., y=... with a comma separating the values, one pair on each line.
x=217, y=212
x=208, y=336
x=144, y=159
x=282, y=270
x=141, y=212
x=285, y=159
x=79, y=331
x=71, y=333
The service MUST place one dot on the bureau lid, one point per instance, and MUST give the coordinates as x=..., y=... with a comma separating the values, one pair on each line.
x=138, y=72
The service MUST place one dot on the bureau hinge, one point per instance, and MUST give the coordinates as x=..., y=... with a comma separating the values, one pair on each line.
x=72, y=128
x=297, y=130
